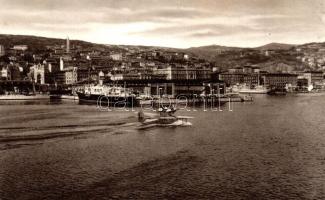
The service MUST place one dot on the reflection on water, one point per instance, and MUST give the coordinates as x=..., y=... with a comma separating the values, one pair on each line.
x=272, y=148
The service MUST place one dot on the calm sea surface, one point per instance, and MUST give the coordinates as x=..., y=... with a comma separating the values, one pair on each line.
x=272, y=148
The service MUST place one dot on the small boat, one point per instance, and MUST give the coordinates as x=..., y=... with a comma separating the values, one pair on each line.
x=236, y=97
x=165, y=118
x=277, y=92
x=247, y=98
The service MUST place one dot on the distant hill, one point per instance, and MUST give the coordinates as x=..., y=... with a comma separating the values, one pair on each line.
x=212, y=51
x=36, y=43
x=276, y=46
x=283, y=58
x=209, y=52
x=214, y=48
x=218, y=48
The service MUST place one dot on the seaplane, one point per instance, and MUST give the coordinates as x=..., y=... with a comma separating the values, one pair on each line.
x=163, y=118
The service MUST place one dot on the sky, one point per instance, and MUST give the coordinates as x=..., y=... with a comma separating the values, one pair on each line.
x=170, y=23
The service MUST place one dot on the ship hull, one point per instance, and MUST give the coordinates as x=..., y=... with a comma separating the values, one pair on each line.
x=68, y=97
x=24, y=97
x=253, y=91
x=102, y=100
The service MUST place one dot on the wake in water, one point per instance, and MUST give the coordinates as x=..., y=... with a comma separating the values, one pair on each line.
x=32, y=133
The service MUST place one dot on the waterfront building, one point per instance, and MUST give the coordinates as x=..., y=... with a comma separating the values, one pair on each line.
x=314, y=78
x=251, y=79
x=83, y=74
x=137, y=76
x=71, y=75
x=184, y=88
x=153, y=85
x=165, y=70
x=248, y=75
x=37, y=73
x=184, y=73
x=66, y=77
x=240, y=78
x=59, y=78
x=231, y=78
x=280, y=80
x=87, y=75
x=203, y=73
x=302, y=83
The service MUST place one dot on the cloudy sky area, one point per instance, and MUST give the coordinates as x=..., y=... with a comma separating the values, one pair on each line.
x=173, y=23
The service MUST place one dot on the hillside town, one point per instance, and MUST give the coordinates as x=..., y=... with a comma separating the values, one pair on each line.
x=148, y=72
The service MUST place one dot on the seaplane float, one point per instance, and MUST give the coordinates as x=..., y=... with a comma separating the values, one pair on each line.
x=164, y=117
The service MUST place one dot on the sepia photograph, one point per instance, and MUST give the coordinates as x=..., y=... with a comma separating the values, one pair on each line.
x=162, y=99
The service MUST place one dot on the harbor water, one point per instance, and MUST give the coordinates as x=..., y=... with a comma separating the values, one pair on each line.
x=272, y=148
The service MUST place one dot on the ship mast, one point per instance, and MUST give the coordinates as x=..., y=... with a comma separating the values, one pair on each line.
x=258, y=79
x=88, y=58
x=124, y=90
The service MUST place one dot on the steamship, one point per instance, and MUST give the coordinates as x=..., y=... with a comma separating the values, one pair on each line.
x=259, y=89
x=104, y=95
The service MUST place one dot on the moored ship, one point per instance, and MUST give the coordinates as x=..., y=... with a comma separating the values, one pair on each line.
x=17, y=94
x=24, y=97
x=106, y=95
x=247, y=89
x=64, y=95
x=254, y=90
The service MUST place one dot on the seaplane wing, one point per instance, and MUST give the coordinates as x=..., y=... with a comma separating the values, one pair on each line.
x=167, y=118
x=151, y=120
x=184, y=117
